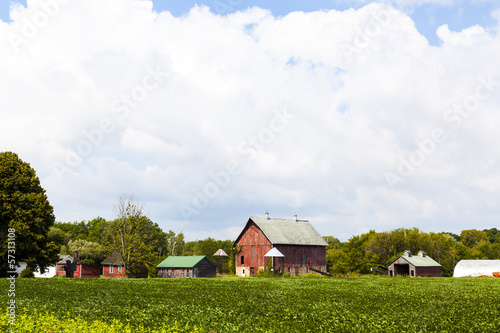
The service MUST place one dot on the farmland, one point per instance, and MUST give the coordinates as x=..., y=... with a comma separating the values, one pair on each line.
x=303, y=304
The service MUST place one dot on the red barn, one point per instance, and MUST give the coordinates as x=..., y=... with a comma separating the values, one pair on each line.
x=82, y=271
x=113, y=267
x=302, y=246
x=410, y=265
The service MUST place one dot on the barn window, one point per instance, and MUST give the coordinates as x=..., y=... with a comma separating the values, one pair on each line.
x=412, y=273
x=303, y=260
x=242, y=260
x=119, y=269
x=111, y=269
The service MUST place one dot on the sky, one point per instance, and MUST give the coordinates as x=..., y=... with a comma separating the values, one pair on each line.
x=355, y=115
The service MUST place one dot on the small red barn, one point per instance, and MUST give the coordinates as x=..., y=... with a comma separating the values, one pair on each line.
x=113, y=267
x=410, y=265
x=82, y=271
x=302, y=246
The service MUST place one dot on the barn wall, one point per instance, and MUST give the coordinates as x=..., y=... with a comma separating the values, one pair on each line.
x=206, y=268
x=428, y=271
x=300, y=258
x=87, y=271
x=253, y=247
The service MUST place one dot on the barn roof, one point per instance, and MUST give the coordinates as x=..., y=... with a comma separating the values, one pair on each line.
x=63, y=258
x=220, y=253
x=113, y=259
x=288, y=231
x=476, y=268
x=418, y=261
x=181, y=261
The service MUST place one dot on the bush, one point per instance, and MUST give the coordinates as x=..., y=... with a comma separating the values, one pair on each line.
x=26, y=273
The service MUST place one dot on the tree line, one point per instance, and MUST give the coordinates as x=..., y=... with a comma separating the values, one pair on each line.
x=378, y=249
x=133, y=236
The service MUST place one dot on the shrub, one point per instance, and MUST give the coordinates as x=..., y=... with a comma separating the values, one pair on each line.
x=26, y=273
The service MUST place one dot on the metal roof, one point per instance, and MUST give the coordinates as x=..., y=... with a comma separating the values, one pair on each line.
x=419, y=261
x=220, y=253
x=289, y=231
x=274, y=252
x=113, y=259
x=63, y=258
x=181, y=261
x=476, y=268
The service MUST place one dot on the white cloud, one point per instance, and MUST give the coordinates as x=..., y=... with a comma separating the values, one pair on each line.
x=364, y=87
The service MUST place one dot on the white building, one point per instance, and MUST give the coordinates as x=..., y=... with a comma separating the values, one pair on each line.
x=476, y=268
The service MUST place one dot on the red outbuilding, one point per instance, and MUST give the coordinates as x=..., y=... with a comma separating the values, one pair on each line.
x=302, y=247
x=81, y=271
x=113, y=267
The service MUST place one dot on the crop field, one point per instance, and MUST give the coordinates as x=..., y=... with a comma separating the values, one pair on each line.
x=304, y=304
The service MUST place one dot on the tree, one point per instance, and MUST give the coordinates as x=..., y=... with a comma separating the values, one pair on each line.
x=24, y=209
x=473, y=237
x=174, y=242
x=131, y=235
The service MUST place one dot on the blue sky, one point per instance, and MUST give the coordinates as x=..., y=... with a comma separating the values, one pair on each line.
x=428, y=15
x=378, y=117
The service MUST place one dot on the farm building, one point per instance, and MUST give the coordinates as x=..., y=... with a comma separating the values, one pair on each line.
x=186, y=267
x=411, y=265
x=113, y=267
x=301, y=246
x=82, y=271
x=477, y=268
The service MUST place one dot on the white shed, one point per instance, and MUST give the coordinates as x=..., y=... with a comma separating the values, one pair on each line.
x=476, y=268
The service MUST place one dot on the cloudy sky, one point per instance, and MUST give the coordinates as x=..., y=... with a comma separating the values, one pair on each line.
x=355, y=115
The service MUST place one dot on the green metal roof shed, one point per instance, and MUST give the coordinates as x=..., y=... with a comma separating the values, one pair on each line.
x=414, y=265
x=187, y=266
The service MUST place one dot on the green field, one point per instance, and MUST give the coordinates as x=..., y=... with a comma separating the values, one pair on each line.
x=256, y=305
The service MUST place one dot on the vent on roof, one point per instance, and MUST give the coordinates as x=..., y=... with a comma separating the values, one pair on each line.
x=421, y=253
x=407, y=253
x=267, y=215
x=295, y=217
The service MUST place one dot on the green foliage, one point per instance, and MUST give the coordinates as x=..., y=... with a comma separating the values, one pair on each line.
x=27, y=273
x=473, y=237
x=300, y=304
x=24, y=207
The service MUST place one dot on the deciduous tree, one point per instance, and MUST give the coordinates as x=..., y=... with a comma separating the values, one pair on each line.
x=25, y=208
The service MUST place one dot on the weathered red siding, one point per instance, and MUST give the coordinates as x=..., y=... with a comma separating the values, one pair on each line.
x=82, y=271
x=297, y=261
x=116, y=274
